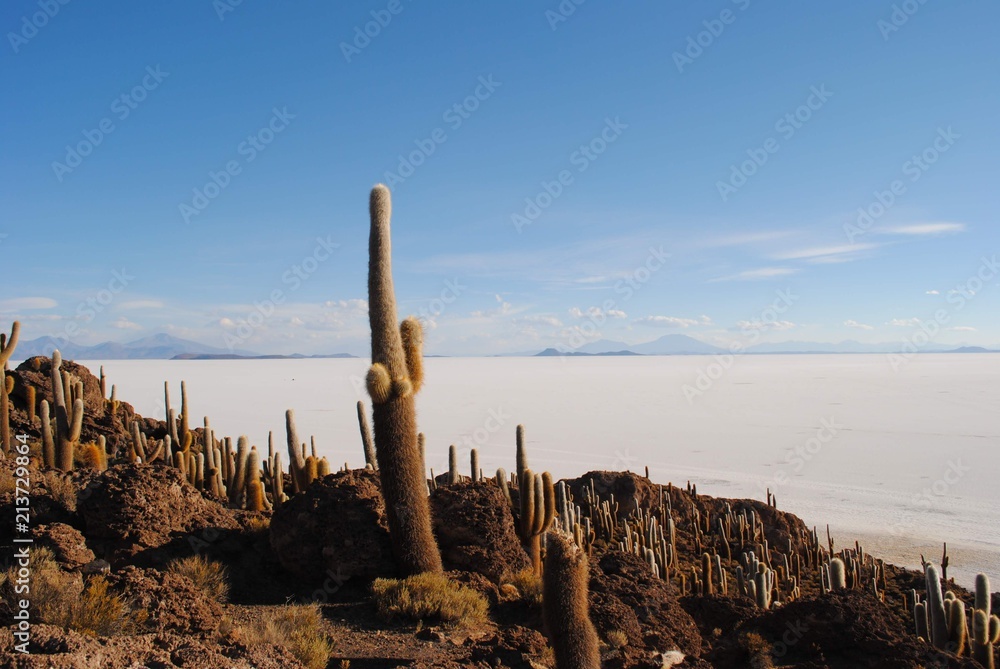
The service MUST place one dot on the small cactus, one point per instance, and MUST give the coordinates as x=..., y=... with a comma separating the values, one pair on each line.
x=838, y=574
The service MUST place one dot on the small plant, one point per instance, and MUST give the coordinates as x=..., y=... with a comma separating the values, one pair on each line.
x=298, y=628
x=102, y=612
x=758, y=650
x=209, y=576
x=61, y=488
x=617, y=639
x=429, y=596
x=527, y=585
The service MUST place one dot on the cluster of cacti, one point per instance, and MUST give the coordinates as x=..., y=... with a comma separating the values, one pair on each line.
x=985, y=626
x=395, y=376
x=7, y=346
x=564, y=604
x=304, y=465
x=58, y=448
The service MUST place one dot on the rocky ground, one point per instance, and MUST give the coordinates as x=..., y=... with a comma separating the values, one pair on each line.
x=128, y=524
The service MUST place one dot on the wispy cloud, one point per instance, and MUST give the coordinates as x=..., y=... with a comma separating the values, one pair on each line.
x=667, y=321
x=538, y=319
x=765, y=325
x=933, y=292
x=744, y=239
x=596, y=313
x=140, y=304
x=905, y=322
x=857, y=325
x=123, y=323
x=923, y=229
x=827, y=254
x=19, y=303
x=755, y=274
x=963, y=328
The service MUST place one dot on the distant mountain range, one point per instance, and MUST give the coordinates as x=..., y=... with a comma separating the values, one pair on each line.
x=678, y=344
x=155, y=347
x=167, y=347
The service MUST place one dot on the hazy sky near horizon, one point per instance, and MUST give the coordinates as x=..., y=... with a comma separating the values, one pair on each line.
x=621, y=172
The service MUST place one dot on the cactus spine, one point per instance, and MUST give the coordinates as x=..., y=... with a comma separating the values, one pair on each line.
x=395, y=375
x=564, y=604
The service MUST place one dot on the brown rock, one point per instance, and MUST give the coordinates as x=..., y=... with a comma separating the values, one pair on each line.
x=475, y=530
x=67, y=544
x=131, y=508
x=336, y=528
x=172, y=601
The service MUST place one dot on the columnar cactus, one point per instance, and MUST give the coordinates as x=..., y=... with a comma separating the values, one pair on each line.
x=937, y=623
x=985, y=628
x=366, y=436
x=7, y=347
x=394, y=378
x=48, y=444
x=838, y=574
x=453, y=475
x=296, y=456
x=564, y=604
x=69, y=421
x=538, y=508
x=706, y=573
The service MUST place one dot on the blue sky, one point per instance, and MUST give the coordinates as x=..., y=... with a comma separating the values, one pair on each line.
x=625, y=171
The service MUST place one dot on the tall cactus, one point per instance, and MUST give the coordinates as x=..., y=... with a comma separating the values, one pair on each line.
x=69, y=420
x=564, y=605
x=985, y=628
x=7, y=346
x=395, y=376
x=936, y=622
x=538, y=508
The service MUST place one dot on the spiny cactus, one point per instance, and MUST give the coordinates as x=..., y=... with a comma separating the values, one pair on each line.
x=7, y=347
x=838, y=574
x=366, y=436
x=985, y=628
x=474, y=465
x=395, y=375
x=69, y=420
x=706, y=573
x=48, y=444
x=296, y=456
x=564, y=604
x=937, y=623
x=32, y=403
x=522, y=454
x=958, y=629
x=256, y=500
x=538, y=508
x=453, y=475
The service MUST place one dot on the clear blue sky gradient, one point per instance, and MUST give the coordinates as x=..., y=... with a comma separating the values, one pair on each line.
x=677, y=125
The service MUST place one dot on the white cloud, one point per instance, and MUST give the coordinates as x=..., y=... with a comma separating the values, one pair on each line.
x=123, y=323
x=933, y=292
x=19, y=303
x=705, y=320
x=859, y=326
x=963, y=328
x=538, y=320
x=905, y=322
x=826, y=254
x=754, y=274
x=504, y=309
x=667, y=321
x=140, y=304
x=765, y=325
x=596, y=313
x=923, y=229
x=744, y=239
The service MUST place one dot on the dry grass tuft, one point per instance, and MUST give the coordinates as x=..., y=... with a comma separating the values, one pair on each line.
x=526, y=584
x=429, y=597
x=61, y=488
x=209, y=576
x=61, y=598
x=299, y=628
x=617, y=639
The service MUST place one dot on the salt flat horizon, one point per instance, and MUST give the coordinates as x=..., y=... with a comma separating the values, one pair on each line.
x=902, y=459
